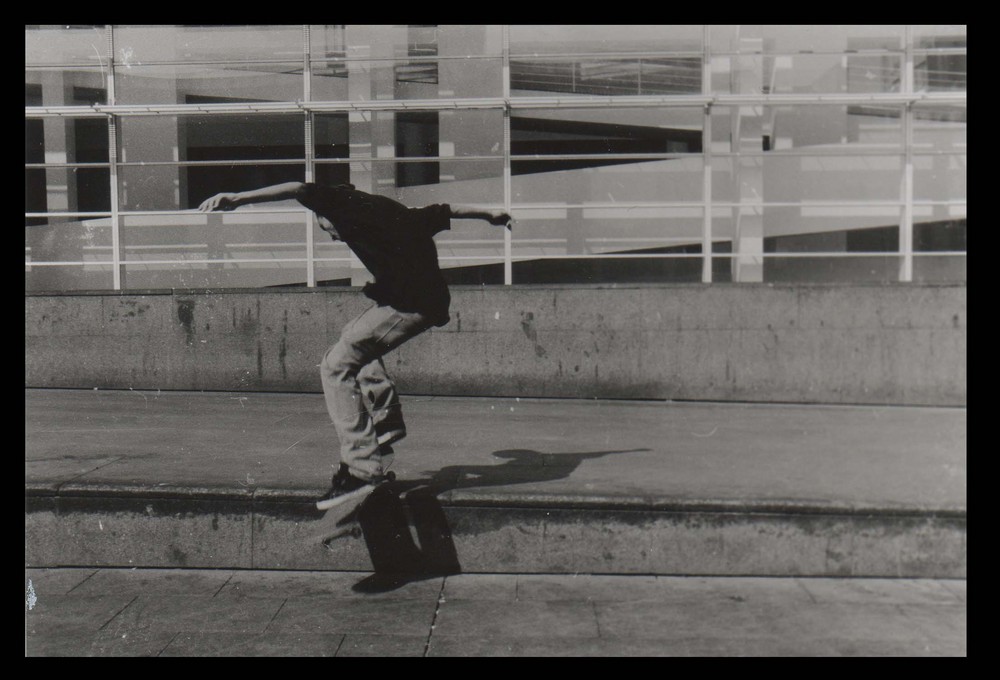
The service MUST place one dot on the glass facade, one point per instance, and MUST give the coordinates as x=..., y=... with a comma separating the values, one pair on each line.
x=625, y=153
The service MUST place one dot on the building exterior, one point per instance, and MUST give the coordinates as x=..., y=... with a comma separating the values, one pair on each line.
x=627, y=154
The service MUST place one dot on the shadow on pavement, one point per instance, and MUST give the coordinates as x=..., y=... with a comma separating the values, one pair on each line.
x=405, y=527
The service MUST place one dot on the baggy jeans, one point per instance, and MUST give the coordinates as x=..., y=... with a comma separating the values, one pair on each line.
x=360, y=396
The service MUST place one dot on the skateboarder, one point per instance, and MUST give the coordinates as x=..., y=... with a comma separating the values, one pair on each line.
x=395, y=243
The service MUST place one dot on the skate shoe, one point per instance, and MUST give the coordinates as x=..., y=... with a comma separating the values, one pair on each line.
x=345, y=487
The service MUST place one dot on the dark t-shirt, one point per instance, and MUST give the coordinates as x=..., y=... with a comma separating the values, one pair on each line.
x=394, y=242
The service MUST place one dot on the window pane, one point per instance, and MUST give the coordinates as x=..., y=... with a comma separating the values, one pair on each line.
x=610, y=210
x=676, y=180
x=146, y=139
x=607, y=38
x=179, y=187
x=941, y=73
x=241, y=152
x=69, y=240
x=328, y=81
x=792, y=38
x=868, y=128
x=135, y=45
x=459, y=181
x=332, y=261
x=806, y=59
x=611, y=76
x=942, y=177
x=402, y=134
x=63, y=278
x=832, y=178
x=66, y=140
x=568, y=244
x=65, y=45
x=938, y=231
x=330, y=41
x=552, y=229
x=392, y=78
x=83, y=187
x=188, y=84
x=246, y=248
x=939, y=31
x=68, y=254
x=940, y=59
x=940, y=269
x=821, y=38
x=405, y=62
x=827, y=269
x=807, y=179
x=65, y=87
x=77, y=189
x=940, y=128
x=807, y=73
x=599, y=132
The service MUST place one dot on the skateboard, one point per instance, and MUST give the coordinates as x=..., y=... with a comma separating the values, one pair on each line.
x=341, y=515
x=404, y=529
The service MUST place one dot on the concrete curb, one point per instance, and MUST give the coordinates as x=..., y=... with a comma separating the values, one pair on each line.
x=466, y=498
x=78, y=524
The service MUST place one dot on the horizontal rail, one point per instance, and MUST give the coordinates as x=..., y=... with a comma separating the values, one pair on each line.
x=523, y=256
x=295, y=59
x=583, y=101
x=838, y=152
x=523, y=207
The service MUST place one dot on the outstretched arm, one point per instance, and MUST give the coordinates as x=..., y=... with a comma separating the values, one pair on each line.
x=231, y=201
x=495, y=217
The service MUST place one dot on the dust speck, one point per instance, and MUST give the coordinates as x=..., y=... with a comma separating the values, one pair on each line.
x=31, y=600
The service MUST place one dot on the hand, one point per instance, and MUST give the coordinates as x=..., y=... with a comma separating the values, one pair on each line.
x=223, y=202
x=501, y=219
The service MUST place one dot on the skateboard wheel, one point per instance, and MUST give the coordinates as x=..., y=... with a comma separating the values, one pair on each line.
x=390, y=476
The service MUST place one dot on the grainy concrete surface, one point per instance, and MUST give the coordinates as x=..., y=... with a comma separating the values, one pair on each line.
x=868, y=344
x=227, y=480
x=124, y=612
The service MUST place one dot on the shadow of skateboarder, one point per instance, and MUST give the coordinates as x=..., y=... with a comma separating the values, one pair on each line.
x=406, y=529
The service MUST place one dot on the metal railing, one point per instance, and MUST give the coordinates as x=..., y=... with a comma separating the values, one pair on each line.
x=515, y=72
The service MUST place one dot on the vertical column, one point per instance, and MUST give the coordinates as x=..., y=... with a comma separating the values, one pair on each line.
x=57, y=240
x=906, y=192
x=508, y=266
x=117, y=253
x=359, y=90
x=60, y=144
x=706, y=193
x=310, y=155
x=359, y=131
x=706, y=150
x=748, y=171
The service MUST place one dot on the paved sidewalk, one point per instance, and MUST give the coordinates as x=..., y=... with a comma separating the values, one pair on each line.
x=153, y=612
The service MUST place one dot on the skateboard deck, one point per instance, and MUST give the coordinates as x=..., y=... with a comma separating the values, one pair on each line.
x=341, y=519
x=404, y=529
x=355, y=496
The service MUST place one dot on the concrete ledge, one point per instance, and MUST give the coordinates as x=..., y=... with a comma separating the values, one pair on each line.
x=137, y=531
x=277, y=529
x=837, y=344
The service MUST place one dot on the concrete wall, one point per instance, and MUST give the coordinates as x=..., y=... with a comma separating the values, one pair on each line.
x=898, y=344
